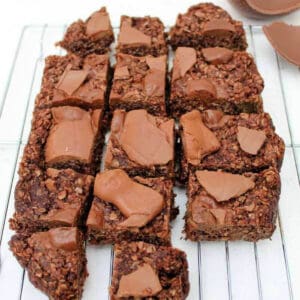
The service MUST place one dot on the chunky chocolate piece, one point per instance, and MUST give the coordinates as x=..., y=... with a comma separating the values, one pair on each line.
x=143, y=282
x=146, y=271
x=137, y=202
x=250, y=140
x=261, y=8
x=224, y=186
x=142, y=36
x=65, y=137
x=224, y=206
x=217, y=79
x=217, y=55
x=238, y=144
x=72, y=135
x=130, y=209
x=285, y=39
x=51, y=198
x=70, y=80
x=139, y=82
x=141, y=144
x=197, y=139
x=94, y=35
x=206, y=25
x=55, y=261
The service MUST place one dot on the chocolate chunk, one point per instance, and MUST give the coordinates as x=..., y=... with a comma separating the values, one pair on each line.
x=98, y=23
x=250, y=140
x=218, y=27
x=143, y=282
x=215, y=118
x=184, y=59
x=157, y=63
x=71, y=80
x=285, y=39
x=146, y=142
x=217, y=55
x=154, y=83
x=198, y=140
x=138, y=203
x=224, y=186
x=131, y=36
x=257, y=8
x=121, y=73
x=65, y=215
x=203, y=89
x=65, y=238
x=96, y=216
x=72, y=134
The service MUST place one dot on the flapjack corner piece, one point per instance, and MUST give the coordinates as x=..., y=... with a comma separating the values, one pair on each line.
x=130, y=209
x=236, y=143
x=226, y=206
x=55, y=261
x=141, y=36
x=215, y=78
x=74, y=81
x=94, y=35
x=146, y=271
x=141, y=144
x=206, y=25
x=139, y=83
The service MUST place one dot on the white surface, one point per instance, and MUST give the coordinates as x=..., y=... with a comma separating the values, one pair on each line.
x=235, y=270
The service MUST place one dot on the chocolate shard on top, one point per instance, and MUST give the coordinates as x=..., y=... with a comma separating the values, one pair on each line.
x=144, y=141
x=98, y=23
x=157, y=63
x=285, y=39
x=218, y=27
x=184, y=59
x=143, y=282
x=71, y=80
x=65, y=238
x=203, y=89
x=132, y=36
x=222, y=185
x=217, y=55
x=198, y=140
x=140, y=204
x=250, y=140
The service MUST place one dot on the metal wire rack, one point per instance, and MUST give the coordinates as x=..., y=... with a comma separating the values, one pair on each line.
x=218, y=270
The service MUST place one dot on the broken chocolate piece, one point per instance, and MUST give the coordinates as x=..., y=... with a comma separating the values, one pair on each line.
x=218, y=27
x=224, y=186
x=285, y=39
x=217, y=55
x=143, y=282
x=184, y=59
x=140, y=204
x=153, y=83
x=203, y=89
x=121, y=73
x=198, y=141
x=250, y=140
x=98, y=23
x=157, y=63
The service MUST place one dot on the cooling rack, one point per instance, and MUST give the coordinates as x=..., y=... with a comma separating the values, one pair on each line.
x=266, y=270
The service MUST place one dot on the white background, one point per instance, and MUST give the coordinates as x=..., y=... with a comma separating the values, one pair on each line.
x=14, y=14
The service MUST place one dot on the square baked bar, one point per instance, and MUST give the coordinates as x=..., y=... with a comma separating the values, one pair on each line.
x=74, y=81
x=65, y=137
x=207, y=25
x=130, y=209
x=94, y=35
x=51, y=198
x=141, y=144
x=55, y=261
x=225, y=206
x=139, y=83
x=238, y=144
x=145, y=271
x=142, y=36
x=215, y=78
